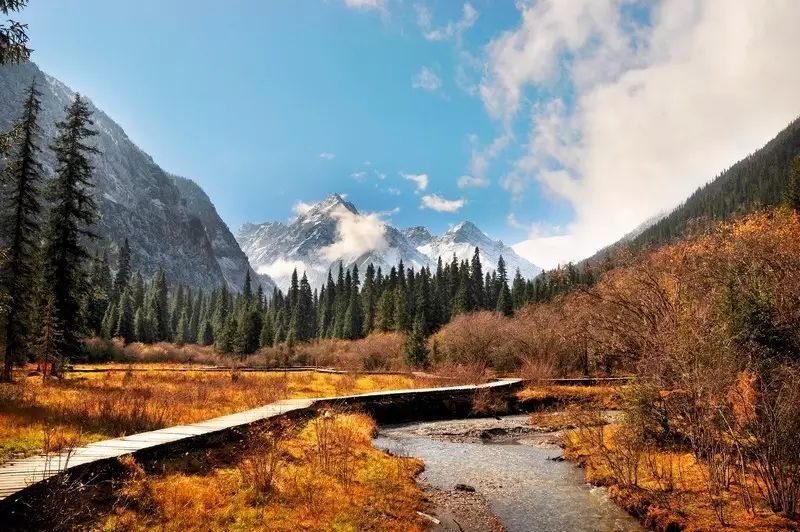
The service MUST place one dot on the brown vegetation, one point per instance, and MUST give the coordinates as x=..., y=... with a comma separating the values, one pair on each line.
x=325, y=476
x=110, y=404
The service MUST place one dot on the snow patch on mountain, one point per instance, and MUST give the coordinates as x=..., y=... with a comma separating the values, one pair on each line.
x=333, y=231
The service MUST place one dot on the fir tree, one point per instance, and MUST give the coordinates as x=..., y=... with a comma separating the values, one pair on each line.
x=50, y=340
x=13, y=37
x=20, y=229
x=207, y=334
x=182, y=334
x=125, y=323
x=267, y=335
x=477, y=295
x=248, y=332
x=504, y=302
x=416, y=351
x=72, y=213
x=101, y=288
x=123, y=275
x=400, y=311
x=159, y=307
x=792, y=196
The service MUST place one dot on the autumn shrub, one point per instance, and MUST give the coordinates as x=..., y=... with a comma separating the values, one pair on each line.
x=471, y=339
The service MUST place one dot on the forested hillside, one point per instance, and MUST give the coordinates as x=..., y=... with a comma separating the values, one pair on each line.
x=757, y=181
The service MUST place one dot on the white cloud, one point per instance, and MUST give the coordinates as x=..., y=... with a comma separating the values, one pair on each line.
x=379, y=5
x=301, y=207
x=420, y=180
x=468, y=181
x=440, y=204
x=357, y=234
x=359, y=176
x=327, y=155
x=453, y=29
x=427, y=79
x=282, y=268
x=393, y=191
x=658, y=110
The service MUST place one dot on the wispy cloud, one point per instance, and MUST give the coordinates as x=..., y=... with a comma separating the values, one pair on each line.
x=440, y=204
x=427, y=79
x=420, y=180
x=359, y=176
x=468, y=181
x=452, y=30
x=327, y=155
x=367, y=5
x=618, y=150
x=301, y=207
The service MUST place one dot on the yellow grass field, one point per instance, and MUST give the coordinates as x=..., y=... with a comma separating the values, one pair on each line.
x=672, y=489
x=325, y=475
x=87, y=407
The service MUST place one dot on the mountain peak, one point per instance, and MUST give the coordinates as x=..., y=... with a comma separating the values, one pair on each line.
x=330, y=202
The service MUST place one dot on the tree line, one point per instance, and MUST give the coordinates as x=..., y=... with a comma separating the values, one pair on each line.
x=348, y=306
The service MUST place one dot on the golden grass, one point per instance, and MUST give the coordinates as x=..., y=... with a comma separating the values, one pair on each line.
x=672, y=490
x=328, y=476
x=608, y=397
x=86, y=407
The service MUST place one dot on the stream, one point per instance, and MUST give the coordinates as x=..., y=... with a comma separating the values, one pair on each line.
x=506, y=460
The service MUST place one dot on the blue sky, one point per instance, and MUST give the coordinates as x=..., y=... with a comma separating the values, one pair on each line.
x=244, y=100
x=577, y=119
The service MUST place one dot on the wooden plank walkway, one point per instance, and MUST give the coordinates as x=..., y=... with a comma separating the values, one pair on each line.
x=19, y=475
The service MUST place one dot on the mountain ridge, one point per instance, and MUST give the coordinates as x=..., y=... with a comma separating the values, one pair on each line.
x=168, y=220
x=314, y=243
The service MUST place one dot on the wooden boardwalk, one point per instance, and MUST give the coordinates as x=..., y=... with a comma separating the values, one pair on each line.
x=20, y=478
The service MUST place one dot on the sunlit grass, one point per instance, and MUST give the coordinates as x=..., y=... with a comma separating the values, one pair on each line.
x=672, y=488
x=93, y=406
x=328, y=476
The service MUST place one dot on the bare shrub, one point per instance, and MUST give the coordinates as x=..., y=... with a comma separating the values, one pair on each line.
x=260, y=467
x=470, y=340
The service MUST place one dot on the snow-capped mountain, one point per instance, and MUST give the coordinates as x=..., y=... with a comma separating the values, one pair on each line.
x=462, y=239
x=168, y=220
x=333, y=231
x=329, y=232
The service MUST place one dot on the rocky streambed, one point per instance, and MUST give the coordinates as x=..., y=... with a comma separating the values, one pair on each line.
x=502, y=473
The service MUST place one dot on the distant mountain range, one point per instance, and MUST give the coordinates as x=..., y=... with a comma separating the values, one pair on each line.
x=314, y=243
x=169, y=220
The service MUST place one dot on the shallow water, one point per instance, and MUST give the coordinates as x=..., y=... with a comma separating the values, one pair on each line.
x=526, y=491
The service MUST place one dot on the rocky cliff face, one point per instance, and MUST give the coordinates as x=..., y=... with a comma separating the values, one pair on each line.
x=333, y=230
x=168, y=220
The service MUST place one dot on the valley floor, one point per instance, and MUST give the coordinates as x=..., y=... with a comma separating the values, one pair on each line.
x=46, y=416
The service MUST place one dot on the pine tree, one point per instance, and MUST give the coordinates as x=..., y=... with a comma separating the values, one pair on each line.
x=477, y=295
x=400, y=310
x=101, y=288
x=123, y=276
x=462, y=302
x=13, y=38
x=416, y=351
x=125, y=323
x=50, y=340
x=72, y=213
x=182, y=335
x=267, y=335
x=504, y=303
x=158, y=306
x=20, y=229
x=792, y=196
x=207, y=334
x=247, y=333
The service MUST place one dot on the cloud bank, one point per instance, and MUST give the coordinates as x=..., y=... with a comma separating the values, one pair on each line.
x=654, y=109
x=420, y=180
x=357, y=234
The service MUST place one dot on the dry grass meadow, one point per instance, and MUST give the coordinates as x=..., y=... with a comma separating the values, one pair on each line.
x=86, y=407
